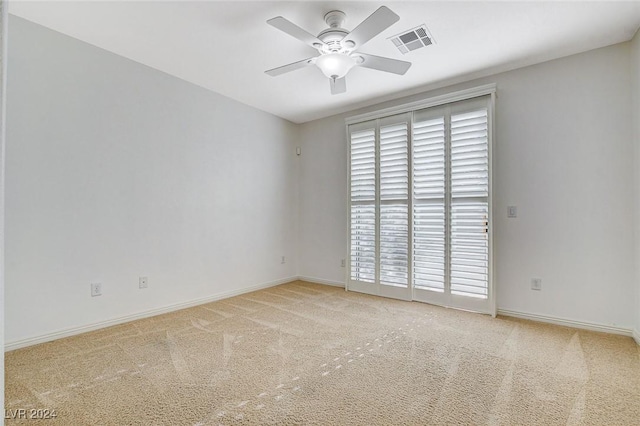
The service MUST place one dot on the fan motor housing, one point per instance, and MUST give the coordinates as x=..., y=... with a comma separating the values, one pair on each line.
x=332, y=38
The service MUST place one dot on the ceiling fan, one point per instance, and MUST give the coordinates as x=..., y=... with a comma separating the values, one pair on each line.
x=338, y=47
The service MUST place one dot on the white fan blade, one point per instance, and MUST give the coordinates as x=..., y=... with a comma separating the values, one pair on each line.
x=291, y=67
x=376, y=23
x=338, y=85
x=295, y=31
x=383, y=64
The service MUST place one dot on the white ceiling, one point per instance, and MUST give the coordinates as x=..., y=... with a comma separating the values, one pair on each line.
x=226, y=46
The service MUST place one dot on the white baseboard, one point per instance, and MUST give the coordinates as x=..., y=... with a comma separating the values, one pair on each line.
x=321, y=281
x=17, y=344
x=568, y=323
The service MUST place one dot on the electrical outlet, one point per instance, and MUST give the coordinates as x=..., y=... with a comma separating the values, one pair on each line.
x=343, y=263
x=143, y=282
x=96, y=289
x=282, y=261
x=536, y=284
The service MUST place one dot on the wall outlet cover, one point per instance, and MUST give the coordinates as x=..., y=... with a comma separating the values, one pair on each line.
x=536, y=284
x=143, y=282
x=96, y=289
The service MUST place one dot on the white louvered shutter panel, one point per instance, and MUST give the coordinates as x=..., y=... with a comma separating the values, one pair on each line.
x=363, y=207
x=420, y=205
x=394, y=214
x=469, y=203
x=429, y=201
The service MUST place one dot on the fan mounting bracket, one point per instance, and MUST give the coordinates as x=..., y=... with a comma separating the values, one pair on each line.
x=335, y=18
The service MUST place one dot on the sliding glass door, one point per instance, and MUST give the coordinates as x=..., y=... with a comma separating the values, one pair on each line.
x=420, y=205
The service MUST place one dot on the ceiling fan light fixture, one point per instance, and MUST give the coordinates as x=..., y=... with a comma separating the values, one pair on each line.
x=339, y=49
x=335, y=65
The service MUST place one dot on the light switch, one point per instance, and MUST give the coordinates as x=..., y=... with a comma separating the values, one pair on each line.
x=512, y=211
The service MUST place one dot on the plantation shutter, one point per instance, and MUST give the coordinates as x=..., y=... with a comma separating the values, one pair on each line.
x=429, y=244
x=394, y=194
x=469, y=202
x=363, y=204
x=420, y=205
x=379, y=257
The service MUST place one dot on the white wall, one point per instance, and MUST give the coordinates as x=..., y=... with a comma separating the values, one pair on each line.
x=323, y=200
x=563, y=156
x=3, y=68
x=635, y=75
x=115, y=171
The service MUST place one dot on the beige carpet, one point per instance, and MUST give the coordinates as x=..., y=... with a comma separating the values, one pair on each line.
x=302, y=353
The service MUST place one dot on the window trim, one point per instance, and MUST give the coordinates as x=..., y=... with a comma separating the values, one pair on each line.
x=461, y=95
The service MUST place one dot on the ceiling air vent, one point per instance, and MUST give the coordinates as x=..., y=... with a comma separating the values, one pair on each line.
x=413, y=39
